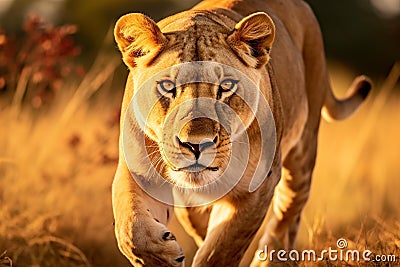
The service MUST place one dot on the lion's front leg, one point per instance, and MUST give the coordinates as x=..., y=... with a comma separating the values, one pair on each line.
x=232, y=227
x=140, y=225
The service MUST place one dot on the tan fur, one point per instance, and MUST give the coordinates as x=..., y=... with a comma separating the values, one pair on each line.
x=283, y=53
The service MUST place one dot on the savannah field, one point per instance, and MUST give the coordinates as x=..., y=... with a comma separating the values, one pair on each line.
x=57, y=165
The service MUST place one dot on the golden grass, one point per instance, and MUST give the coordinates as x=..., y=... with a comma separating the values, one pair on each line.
x=356, y=180
x=56, y=170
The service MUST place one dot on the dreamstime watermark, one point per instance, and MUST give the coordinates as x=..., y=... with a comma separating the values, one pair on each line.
x=339, y=253
x=143, y=120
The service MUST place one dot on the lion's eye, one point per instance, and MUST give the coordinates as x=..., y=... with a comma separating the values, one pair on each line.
x=228, y=85
x=166, y=86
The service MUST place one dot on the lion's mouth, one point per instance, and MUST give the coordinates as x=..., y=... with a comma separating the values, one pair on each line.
x=196, y=167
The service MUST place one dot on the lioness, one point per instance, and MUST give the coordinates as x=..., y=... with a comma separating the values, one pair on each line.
x=277, y=46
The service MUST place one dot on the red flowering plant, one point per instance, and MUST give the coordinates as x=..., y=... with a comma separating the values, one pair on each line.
x=35, y=65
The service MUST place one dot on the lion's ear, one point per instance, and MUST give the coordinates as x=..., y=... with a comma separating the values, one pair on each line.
x=139, y=38
x=253, y=38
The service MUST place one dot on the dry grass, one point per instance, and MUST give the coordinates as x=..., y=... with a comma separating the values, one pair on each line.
x=356, y=180
x=56, y=170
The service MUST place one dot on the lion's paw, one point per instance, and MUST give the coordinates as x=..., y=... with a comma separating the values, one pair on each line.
x=146, y=242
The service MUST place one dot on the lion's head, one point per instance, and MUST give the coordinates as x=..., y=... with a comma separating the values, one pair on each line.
x=192, y=76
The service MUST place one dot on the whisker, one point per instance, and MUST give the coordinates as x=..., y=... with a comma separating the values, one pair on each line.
x=152, y=153
x=156, y=161
x=152, y=166
x=152, y=147
x=160, y=161
x=148, y=171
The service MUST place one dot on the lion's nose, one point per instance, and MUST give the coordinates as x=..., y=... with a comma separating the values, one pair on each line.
x=198, y=148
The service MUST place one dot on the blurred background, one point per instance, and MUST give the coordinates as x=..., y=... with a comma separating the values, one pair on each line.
x=61, y=85
x=363, y=34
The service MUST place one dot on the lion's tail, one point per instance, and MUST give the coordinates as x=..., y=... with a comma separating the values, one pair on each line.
x=339, y=109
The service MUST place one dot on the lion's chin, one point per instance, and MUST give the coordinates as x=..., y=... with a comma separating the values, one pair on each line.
x=193, y=179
